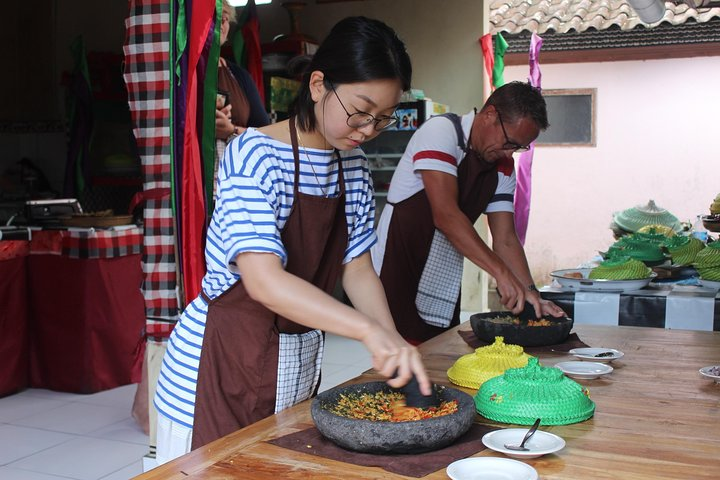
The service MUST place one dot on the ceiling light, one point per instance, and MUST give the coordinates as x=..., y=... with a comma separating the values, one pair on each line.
x=242, y=3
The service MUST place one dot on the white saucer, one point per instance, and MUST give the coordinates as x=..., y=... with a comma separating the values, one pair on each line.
x=490, y=468
x=585, y=370
x=539, y=444
x=589, y=354
x=705, y=371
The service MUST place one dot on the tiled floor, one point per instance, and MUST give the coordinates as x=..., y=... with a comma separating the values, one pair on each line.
x=46, y=435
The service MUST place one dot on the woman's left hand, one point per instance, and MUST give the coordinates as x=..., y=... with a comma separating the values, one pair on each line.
x=223, y=124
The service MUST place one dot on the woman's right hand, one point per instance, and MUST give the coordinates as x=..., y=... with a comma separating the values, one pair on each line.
x=396, y=359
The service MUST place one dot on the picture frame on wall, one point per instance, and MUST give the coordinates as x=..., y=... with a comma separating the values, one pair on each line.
x=407, y=119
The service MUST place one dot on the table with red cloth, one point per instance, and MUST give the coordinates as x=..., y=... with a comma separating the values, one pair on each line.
x=85, y=308
x=14, y=346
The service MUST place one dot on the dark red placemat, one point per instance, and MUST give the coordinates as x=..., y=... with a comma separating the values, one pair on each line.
x=573, y=341
x=312, y=442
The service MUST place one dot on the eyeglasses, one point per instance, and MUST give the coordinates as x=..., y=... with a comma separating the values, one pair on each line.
x=361, y=119
x=508, y=145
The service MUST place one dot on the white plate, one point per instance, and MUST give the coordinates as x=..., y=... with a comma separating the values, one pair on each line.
x=709, y=284
x=589, y=354
x=539, y=444
x=490, y=468
x=705, y=371
x=586, y=284
x=586, y=370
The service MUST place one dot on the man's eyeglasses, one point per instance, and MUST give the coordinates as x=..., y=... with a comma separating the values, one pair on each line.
x=361, y=119
x=508, y=145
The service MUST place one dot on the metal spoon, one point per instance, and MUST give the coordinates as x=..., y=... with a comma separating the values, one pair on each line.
x=529, y=434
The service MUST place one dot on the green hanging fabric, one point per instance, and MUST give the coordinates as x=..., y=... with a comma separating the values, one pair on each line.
x=500, y=47
x=238, y=48
x=79, y=105
x=181, y=37
x=207, y=145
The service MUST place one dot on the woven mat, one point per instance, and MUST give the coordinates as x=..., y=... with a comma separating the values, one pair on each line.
x=312, y=442
x=573, y=341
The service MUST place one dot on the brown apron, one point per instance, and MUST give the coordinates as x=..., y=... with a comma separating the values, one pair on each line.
x=227, y=82
x=410, y=235
x=238, y=373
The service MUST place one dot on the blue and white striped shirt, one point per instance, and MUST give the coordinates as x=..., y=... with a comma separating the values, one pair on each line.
x=254, y=200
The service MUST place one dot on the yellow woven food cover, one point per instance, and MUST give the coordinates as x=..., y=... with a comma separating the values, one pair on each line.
x=473, y=369
x=664, y=230
x=521, y=395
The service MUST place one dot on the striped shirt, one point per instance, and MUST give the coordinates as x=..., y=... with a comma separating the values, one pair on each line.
x=255, y=197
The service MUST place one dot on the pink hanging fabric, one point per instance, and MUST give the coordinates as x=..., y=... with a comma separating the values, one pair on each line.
x=523, y=190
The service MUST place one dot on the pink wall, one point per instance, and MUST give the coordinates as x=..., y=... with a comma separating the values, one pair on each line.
x=657, y=138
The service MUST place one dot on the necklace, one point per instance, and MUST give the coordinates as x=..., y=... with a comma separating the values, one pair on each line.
x=307, y=157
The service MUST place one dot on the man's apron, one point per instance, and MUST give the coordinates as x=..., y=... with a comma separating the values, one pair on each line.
x=255, y=363
x=410, y=236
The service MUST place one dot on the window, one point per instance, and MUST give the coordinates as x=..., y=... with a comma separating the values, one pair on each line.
x=571, y=113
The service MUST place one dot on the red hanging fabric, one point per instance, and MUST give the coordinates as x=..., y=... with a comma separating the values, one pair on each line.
x=486, y=43
x=192, y=195
x=250, y=27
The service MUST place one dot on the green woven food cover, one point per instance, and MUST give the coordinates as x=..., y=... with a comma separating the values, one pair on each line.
x=620, y=268
x=708, y=257
x=645, y=252
x=683, y=249
x=521, y=395
x=639, y=216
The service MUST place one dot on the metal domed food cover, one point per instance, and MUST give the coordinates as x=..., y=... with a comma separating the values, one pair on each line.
x=633, y=219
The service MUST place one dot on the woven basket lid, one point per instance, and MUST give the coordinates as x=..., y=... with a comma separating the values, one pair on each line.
x=663, y=230
x=683, y=249
x=711, y=273
x=521, y=395
x=473, y=369
x=639, y=250
x=708, y=256
x=715, y=205
x=637, y=217
x=620, y=268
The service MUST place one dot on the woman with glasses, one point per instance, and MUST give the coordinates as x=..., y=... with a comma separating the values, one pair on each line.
x=453, y=170
x=294, y=214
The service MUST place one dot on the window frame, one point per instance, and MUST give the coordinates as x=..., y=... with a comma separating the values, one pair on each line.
x=561, y=92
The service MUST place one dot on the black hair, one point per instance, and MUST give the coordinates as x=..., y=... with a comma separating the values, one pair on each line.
x=357, y=49
x=516, y=100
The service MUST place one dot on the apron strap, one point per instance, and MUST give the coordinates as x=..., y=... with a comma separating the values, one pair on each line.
x=455, y=119
x=296, y=154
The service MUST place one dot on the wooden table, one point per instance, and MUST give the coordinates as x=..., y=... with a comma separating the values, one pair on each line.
x=656, y=418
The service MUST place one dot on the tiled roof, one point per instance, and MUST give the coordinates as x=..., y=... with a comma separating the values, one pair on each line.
x=561, y=16
x=664, y=34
